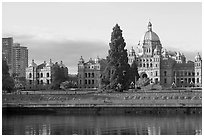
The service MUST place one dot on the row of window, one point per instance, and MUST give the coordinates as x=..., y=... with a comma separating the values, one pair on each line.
x=87, y=82
x=39, y=75
x=92, y=67
x=146, y=60
x=197, y=64
x=148, y=65
x=89, y=75
x=185, y=80
x=39, y=82
x=182, y=73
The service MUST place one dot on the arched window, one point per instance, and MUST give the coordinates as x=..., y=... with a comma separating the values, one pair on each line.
x=47, y=74
x=38, y=75
x=147, y=65
x=30, y=75
x=41, y=75
x=41, y=81
x=156, y=73
x=165, y=73
x=150, y=64
x=144, y=65
x=92, y=75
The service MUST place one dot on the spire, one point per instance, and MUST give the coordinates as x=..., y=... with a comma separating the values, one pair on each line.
x=81, y=60
x=149, y=26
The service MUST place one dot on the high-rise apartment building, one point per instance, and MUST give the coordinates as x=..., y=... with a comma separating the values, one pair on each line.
x=7, y=44
x=20, y=60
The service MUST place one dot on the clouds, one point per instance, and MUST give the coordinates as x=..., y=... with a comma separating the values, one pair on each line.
x=69, y=51
x=66, y=31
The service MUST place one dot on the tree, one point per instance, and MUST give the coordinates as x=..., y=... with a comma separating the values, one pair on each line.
x=7, y=80
x=134, y=72
x=58, y=76
x=116, y=74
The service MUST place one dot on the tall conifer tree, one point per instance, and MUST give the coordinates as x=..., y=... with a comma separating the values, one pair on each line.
x=116, y=74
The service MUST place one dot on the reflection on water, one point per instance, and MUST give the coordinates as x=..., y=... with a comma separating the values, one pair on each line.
x=89, y=125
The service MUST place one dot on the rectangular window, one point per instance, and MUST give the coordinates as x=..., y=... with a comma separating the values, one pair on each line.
x=92, y=81
x=197, y=80
x=185, y=80
x=165, y=80
x=30, y=82
x=189, y=80
x=181, y=80
x=48, y=82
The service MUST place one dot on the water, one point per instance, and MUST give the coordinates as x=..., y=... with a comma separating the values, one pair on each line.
x=92, y=125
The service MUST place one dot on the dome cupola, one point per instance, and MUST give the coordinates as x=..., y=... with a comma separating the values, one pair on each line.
x=150, y=35
x=81, y=60
x=33, y=64
x=198, y=57
x=49, y=64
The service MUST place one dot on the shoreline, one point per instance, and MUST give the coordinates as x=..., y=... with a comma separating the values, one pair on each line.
x=102, y=110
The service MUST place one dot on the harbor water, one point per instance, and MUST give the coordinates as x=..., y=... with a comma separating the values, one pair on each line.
x=62, y=124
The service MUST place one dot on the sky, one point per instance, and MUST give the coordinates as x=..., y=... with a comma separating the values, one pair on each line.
x=66, y=31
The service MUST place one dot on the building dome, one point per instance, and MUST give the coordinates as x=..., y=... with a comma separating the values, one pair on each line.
x=33, y=64
x=149, y=35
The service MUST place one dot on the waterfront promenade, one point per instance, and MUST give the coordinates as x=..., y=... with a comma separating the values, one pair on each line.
x=168, y=98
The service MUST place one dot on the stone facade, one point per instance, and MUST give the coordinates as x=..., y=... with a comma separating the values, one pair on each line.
x=198, y=70
x=89, y=72
x=40, y=76
x=162, y=66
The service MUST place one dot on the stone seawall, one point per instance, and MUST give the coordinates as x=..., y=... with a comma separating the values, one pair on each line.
x=103, y=110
